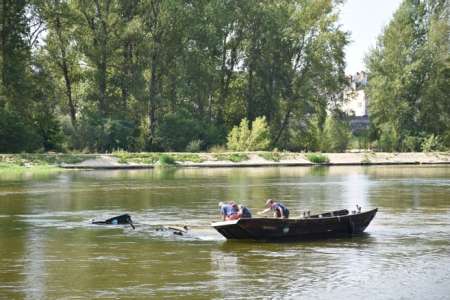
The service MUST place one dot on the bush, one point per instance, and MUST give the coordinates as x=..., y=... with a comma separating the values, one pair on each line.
x=432, y=143
x=217, y=149
x=165, y=160
x=318, y=158
x=242, y=138
x=411, y=143
x=274, y=155
x=194, y=146
x=388, y=139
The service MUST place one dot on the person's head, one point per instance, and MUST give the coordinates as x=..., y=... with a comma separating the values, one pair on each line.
x=220, y=204
x=269, y=202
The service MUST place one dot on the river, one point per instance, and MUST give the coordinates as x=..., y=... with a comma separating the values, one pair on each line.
x=49, y=249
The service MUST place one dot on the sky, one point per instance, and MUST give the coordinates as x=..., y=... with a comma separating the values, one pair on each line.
x=365, y=19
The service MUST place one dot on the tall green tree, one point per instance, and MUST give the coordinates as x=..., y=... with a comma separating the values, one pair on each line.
x=409, y=82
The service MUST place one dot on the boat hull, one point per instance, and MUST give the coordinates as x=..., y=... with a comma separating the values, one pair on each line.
x=329, y=224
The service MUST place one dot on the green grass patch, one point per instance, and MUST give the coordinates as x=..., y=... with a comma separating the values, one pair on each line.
x=6, y=168
x=234, y=157
x=193, y=157
x=274, y=156
x=318, y=158
x=28, y=160
x=138, y=158
x=154, y=157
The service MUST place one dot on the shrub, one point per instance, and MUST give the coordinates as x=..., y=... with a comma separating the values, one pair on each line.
x=217, y=149
x=318, y=158
x=388, y=140
x=242, y=138
x=194, y=146
x=432, y=143
x=274, y=155
x=166, y=160
x=411, y=143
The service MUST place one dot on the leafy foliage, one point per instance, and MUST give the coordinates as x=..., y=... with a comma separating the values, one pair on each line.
x=409, y=84
x=166, y=160
x=242, y=138
x=153, y=75
x=318, y=158
x=336, y=135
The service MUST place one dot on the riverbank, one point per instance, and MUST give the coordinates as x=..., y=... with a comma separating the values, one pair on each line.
x=125, y=160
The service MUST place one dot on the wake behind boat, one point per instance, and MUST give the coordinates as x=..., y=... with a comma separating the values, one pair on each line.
x=329, y=224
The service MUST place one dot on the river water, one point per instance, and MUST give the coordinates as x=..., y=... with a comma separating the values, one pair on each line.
x=49, y=249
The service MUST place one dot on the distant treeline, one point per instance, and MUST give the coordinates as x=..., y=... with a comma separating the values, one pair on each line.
x=176, y=75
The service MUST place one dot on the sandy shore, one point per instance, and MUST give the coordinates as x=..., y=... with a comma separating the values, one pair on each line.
x=105, y=161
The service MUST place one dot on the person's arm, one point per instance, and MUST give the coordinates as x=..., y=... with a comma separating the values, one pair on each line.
x=222, y=213
x=264, y=211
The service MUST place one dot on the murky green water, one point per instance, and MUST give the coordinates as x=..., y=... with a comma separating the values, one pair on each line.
x=49, y=250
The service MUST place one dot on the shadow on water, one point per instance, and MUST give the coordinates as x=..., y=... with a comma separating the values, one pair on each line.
x=361, y=240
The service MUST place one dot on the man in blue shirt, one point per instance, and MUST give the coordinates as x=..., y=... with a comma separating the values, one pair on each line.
x=229, y=211
x=279, y=210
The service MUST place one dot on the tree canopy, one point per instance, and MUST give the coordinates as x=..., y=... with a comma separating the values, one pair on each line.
x=157, y=75
x=409, y=81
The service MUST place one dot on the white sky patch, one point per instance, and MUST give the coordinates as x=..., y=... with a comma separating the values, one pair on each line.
x=365, y=19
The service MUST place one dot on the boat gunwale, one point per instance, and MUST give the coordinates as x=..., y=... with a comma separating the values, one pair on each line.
x=236, y=222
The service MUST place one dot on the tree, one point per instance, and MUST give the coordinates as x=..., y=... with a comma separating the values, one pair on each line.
x=409, y=82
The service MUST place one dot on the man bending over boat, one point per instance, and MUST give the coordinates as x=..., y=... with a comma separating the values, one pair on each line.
x=229, y=211
x=244, y=212
x=279, y=210
x=232, y=211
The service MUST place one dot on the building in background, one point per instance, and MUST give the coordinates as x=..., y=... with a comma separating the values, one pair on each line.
x=355, y=103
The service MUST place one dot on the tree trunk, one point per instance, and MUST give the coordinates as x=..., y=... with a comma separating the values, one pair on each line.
x=66, y=73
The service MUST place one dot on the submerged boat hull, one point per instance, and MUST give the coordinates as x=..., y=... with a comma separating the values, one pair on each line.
x=318, y=226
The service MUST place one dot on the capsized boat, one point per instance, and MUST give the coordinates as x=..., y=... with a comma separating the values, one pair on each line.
x=329, y=224
x=117, y=220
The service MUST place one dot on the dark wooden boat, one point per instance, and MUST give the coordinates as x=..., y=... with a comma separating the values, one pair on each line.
x=117, y=220
x=335, y=223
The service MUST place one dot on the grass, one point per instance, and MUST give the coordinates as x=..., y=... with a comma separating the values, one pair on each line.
x=11, y=171
x=318, y=158
x=234, y=157
x=193, y=157
x=138, y=158
x=274, y=156
x=154, y=157
x=31, y=160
